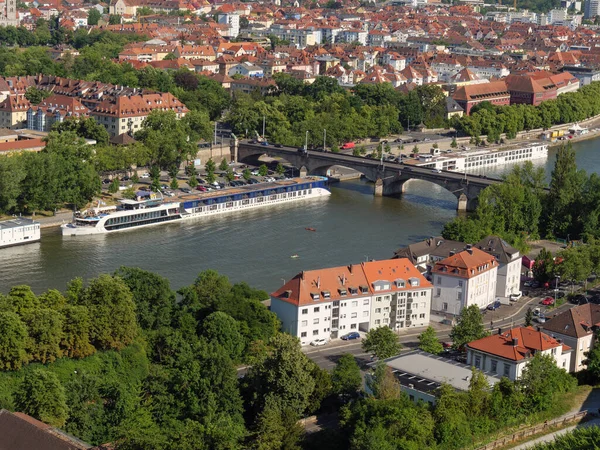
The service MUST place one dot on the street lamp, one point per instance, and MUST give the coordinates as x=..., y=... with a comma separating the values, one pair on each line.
x=556, y=287
x=264, y=121
x=324, y=139
x=306, y=141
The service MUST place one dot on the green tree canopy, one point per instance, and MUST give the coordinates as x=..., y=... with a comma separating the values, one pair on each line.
x=469, y=327
x=381, y=342
x=429, y=342
x=42, y=396
x=346, y=377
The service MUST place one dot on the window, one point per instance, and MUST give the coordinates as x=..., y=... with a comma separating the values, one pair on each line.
x=386, y=309
x=423, y=293
x=304, y=323
x=377, y=299
x=377, y=310
x=365, y=313
x=415, y=306
x=439, y=280
x=506, y=370
x=305, y=311
x=438, y=292
x=494, y=366
x=458, y=295
x=353, y=315
x=317, y=309
x=353, y=326
x=460, y=283
x=366, y=301
x=444, y=306
x=315, y=332
x=303, y=334
x=316, y=321
x=354, y=303
x=377, y=322
x=478, y=361
x=421, y=316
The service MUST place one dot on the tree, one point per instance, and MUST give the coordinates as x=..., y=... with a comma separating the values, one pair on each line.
x=210, y=170
x=36, y=96
x=346, y=378
x=113, y=188
x=416, y=149
x=222, y=329
x=246, y=174
x=114, y=19
x=42, y=396
x=277, y=427
x=543, y=267
x=192, y=182
x=383, y=383
x=428, y=342
x=469, y=327
x=223, y=165
x=76, y=332
x=381, y=342
x=263, y=170
x=94, y=16
x=280, y=169
x=229, y=175
x=45, y=329
x=593, y=362
x=285, y=374
x=453, y=144
x=13, y=341
x=174, y=184
x=112, y=310
x=86, y=128
x=528, y=317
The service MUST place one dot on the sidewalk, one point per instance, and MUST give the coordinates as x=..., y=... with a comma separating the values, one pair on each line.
x=54, y=221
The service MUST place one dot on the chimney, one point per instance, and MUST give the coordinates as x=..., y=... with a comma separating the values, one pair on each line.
x=350, y=268
x=302, y=275
x=319, y=282
x=539, y=328
x=499, y=331
x=515, y=342
x=452, y=253
x=343, y=279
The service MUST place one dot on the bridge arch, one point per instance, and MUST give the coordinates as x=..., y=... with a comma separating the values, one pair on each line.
x=465, y=200
x=322, y=170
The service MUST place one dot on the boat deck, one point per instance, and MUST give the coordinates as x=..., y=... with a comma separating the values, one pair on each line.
x=198, y=195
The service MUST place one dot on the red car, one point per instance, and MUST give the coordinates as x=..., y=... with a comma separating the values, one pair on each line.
x=201, y=189
x=548, y=301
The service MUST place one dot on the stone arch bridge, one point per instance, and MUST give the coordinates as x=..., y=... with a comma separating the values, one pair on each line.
x=390, y=178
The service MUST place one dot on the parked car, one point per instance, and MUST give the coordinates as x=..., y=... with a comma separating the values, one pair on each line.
x=106, y=181
x=318, y=342
x=254, y=172
x=278, y=145
x=540, y=319
x=548, y=301
x=145, y=175
x=265, y=143
x=125, y=178
x=201, y=189
x=201, y=180
x=515, y=297
x=494, y=306
x=436, y=171
x=186, y=190
x=350, y=336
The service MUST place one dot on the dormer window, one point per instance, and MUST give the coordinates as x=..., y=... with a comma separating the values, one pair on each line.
x=364, y=289
x=343, y=292
x=353, y=290
x=399, y=283
x=326, y=294
x=414, y=282
x=315, y=296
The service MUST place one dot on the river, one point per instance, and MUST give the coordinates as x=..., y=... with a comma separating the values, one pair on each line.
x=254, y=246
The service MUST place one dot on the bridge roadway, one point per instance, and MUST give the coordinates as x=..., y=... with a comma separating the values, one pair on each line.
x=390, y=178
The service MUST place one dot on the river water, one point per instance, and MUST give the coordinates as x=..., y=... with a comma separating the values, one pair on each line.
x=254, y=246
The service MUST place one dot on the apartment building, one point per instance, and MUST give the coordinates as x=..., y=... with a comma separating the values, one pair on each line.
x=508, y=353
x=495, y=92
x=13, y=112
x=54, y=109
x=126, y=113
x=464, y=279
x=328, y=303
x=508, y=278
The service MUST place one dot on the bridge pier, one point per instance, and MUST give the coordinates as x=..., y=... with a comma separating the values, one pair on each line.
x=303, y=172
x=463, y=201
x=233, y=149
x=378, y=189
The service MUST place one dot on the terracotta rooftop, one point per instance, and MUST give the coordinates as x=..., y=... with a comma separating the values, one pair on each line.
x=576, y=322
x=466, y=264
x=516, y=344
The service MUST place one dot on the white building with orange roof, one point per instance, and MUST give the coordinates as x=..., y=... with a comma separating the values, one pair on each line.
x=328, y=303
x=463, y=279
x=401, y=295
x=508, y=353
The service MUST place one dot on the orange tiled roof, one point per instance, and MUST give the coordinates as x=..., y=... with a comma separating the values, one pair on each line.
x=466, y=264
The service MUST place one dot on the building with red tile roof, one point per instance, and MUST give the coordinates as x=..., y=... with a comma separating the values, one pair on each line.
x=495, y=92
x=327, y=303
x=463, y=279
x=54, y=109
x=576, y=327
x=507, y=353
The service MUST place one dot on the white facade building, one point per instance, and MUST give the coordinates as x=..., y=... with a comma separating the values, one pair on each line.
x=233, y=20
x=328, y=303
x=508, y=353
x=464, y=279
x=509, y=265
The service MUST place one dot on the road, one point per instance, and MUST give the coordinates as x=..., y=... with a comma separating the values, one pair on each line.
x=504, y=317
